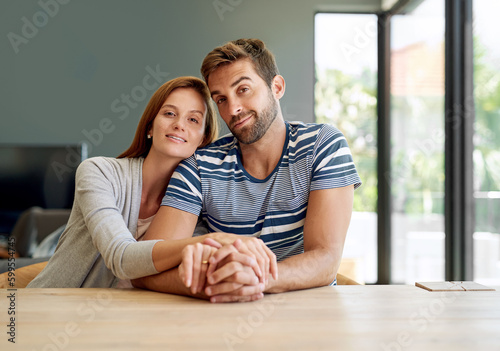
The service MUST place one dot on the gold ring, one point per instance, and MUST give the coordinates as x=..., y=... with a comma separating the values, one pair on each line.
x=204, y=262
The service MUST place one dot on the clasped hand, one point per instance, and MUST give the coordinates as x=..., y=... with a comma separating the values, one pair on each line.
x=228, y=272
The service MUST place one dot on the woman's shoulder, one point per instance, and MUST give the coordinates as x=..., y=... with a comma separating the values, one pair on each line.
x=111, y=164
x=104, y=160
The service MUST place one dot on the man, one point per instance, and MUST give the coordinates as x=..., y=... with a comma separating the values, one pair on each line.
x=289, y=184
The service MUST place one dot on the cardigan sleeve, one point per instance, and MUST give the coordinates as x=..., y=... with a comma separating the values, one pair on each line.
x=102, y=192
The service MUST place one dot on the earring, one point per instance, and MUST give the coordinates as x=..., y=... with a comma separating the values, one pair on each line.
x=149, y=136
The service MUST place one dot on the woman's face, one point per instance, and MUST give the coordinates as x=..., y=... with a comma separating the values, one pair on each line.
x=179, y=127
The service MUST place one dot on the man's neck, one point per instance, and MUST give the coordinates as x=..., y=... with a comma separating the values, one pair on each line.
x=260, y=158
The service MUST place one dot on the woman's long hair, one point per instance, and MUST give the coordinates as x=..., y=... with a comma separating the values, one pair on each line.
x=141, y=144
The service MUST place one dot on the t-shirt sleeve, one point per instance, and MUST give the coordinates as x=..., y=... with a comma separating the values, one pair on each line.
x=184, y=190
x=333, y=165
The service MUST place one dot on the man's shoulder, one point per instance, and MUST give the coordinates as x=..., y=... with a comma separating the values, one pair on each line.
x=302, y=127
x=300, y=131
x=221, y=146
x=209, y=159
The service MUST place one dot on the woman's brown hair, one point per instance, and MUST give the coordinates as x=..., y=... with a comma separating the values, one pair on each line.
x=141, y=144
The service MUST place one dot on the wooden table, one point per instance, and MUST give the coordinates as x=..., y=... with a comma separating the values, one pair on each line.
x=330, y=318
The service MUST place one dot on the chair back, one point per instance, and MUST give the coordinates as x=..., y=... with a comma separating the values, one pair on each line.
x=34, y=225
x=24, y=276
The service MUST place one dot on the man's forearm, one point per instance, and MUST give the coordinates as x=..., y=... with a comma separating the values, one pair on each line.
x=167, y=282
x=310, y=269
x=325, y=227
x=170, y=282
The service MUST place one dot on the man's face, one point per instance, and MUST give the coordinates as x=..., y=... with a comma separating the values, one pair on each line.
x=245, y=101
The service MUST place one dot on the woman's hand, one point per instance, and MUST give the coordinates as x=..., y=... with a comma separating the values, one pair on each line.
x=194, y=265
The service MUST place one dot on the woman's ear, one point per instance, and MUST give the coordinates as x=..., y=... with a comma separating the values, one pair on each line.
x=278, y=86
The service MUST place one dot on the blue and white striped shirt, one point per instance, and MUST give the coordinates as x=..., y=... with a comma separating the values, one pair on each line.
x=214, y=182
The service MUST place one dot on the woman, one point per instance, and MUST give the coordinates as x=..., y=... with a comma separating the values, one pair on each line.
x=117, y=198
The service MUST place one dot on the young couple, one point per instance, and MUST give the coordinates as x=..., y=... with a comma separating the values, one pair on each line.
x=275, y=196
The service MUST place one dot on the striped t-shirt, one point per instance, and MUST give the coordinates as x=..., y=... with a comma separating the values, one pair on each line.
x=214, y=182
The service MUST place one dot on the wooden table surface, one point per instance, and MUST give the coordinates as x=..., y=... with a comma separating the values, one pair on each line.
x=391, y=317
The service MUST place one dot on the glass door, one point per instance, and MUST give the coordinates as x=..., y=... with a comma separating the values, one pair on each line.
x=486, y=238
x=417, y=145
x=345, y=95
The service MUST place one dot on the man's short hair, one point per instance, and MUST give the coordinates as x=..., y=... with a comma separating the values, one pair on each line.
x=255, y=49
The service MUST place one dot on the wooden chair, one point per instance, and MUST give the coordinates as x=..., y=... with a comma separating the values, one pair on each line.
x=23, y=276
x=343, y=280
x=348, y=272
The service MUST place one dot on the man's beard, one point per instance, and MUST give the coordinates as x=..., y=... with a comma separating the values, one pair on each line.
x=263, y=120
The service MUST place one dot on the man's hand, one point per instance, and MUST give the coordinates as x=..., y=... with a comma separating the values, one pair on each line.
x=228, y=276
x=238, y=274
x=233, y=282
x=250, y=246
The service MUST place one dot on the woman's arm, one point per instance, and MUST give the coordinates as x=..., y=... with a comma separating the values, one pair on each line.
x=105, y=198
x=175, y=228
x=240, y=284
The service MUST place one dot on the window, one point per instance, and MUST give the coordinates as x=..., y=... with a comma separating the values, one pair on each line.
x=417, y=145
x=486, y=239
x=345, y=96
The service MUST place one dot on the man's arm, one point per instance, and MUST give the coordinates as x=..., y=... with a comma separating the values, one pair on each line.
x=325, y=228
x=170, y=282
